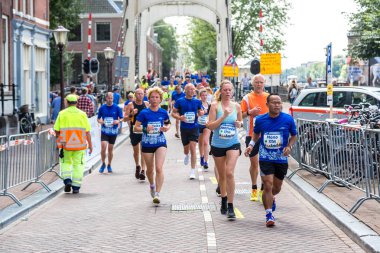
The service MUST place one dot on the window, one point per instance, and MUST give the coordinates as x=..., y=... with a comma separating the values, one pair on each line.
x=357, y=98
x=309, y=100
x=31, y=8
x=76, y=65
x=5, y=52
x=102, y=74
x=24, y=6
x=40, y=78
x=76, y=33
x=15, y=5
x=103, y=31
x=339, y=99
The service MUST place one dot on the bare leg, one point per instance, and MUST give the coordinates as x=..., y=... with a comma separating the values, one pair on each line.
x=110, y=153
x=231, y=159
x=149, y=161
x=193, y=151
x=160, y=155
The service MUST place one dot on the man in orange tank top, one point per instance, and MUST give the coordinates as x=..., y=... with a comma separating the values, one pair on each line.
x=252, y=105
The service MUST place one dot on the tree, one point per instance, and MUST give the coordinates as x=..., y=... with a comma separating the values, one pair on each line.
x=245, y=26
x=365, y=30
x=202, y=42
x=65, y=13
x=167, y=40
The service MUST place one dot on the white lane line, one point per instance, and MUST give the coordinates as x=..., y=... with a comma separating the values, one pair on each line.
x=211, y=240
x=201, y=178
x=204, y=200
x=202, y=187
x=207, y=216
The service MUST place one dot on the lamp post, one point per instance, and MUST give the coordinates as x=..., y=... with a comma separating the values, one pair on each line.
x=60, y=37
x=109, y=54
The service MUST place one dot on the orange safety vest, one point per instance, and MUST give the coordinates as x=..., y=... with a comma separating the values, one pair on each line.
x=72, y=139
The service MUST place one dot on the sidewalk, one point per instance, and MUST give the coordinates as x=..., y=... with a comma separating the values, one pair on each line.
x=114, y=213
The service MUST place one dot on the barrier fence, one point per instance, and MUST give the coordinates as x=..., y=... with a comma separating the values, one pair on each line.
x=346, y=155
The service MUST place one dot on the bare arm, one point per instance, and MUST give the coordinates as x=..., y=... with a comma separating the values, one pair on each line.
x=88, y=135
x=138, y=127
x=289, y=147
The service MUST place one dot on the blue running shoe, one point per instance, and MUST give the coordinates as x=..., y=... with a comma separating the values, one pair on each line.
x=101, y=170
x=109, y=168
x=202, y=161
x=270, y=220
x=274, y=205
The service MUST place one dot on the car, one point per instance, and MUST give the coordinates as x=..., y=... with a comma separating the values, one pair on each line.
x=311, y=104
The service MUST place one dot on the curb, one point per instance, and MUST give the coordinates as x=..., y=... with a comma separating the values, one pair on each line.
x=359, y=232
x=14, y=212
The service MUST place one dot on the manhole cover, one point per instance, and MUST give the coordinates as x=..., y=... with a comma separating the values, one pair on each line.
x=194, y=207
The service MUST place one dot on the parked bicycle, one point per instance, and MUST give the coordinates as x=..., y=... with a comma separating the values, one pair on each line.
x=28, y=123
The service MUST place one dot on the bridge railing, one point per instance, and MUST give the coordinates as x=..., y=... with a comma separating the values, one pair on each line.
x=348, y=156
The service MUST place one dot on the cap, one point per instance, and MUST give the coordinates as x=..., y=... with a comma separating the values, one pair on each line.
x=72, y=98
x=115, y=88
x=187, y=76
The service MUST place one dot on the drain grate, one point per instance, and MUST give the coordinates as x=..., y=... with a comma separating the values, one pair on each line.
x=194, y=207
x=242, y=191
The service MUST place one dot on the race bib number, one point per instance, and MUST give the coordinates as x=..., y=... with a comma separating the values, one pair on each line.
x=227, y=131
x=156, y=129
x=190, y=117
x=273, y=140
x=108, y=122
x=202, y=120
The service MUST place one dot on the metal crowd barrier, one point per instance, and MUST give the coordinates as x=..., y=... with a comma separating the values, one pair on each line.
x=24, y=158
x=346, y=155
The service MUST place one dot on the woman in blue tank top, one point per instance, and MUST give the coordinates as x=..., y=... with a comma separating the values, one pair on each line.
x=204, y=133
x=225, y=117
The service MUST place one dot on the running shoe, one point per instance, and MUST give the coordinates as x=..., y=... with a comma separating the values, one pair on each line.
x=101, y=170
x=223, y=206
x=76, y=189
x=202, y=161
x=205, y=166
x=186, y=159
x=67, y=185
x=152, y=191
x=177, y=135
x=218, y=191
x=137, y=173
x=109, y=169
x=274, y=205
x=142, y=175
x=254, y=195
x=231, y=213
x=156, y=199
x=270, y=220
x=261, y=196
x=192, y=175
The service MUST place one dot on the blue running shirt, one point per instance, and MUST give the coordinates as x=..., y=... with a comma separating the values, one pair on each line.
x=275, y=133
x=156, y=138
x=189, y=108
x=109, y=114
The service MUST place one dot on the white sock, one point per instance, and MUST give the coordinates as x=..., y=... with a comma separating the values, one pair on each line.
x=192, y=170
x=268, y=210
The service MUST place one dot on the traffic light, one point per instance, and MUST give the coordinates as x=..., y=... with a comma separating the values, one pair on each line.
x=86, y=66
x=255, y=67
x=94, y=66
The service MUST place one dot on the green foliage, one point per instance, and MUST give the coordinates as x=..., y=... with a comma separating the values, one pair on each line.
x=365, y=30
x=167, y=40
x=65, y=13
x=245, y=26
x=202, y=42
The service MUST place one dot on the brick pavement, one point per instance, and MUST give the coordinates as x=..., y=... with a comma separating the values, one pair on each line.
x=113, y=213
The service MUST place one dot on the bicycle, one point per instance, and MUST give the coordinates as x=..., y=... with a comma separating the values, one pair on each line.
x=28, y=123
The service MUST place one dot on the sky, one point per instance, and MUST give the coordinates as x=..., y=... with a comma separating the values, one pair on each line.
x=313, y=25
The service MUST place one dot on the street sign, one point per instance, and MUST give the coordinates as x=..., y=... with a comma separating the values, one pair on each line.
x=230, y=61
x=230, y=71
x=122, y=66
x=329, y=63
x=270, y=64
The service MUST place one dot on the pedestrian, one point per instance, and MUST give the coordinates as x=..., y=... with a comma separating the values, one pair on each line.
x=132, y=110
x=165, y=98
x=276, y=132
x=116, y=95
x=246, y=83
x=187, y=110
x=85, y=103
x=55, y=107
x=292, y=92
x=153, y=122
x=72, y=128
x=204, y=132
x=109, y=117
x=252, y=105
x=225, y=117
x=176, y=95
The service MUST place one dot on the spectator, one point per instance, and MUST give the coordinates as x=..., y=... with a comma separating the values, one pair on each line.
x=310, y=84
x=116, y=95
x=85, y=104
x=55, y=107
x=246, y=81
x=292, y=92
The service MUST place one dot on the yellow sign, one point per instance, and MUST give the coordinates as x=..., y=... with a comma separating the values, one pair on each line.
x=329, y=89
x=270, y=64
x=230, y=71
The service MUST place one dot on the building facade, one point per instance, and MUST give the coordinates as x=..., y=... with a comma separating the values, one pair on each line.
x=31, y=54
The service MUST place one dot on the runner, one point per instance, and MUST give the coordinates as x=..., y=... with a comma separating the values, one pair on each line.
x=165, y=98
x=278, y=134
x=187, y=110
x=204, y=133
x=252, y=105
x=224, y=117
x=152, y=122
x=133, y=109
x=109, y=117
x=177, y=94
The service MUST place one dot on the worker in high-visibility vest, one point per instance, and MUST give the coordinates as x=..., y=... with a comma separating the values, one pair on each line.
x=73, y=138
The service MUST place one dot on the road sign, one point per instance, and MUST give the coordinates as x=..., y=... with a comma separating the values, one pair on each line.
x=230, y=61
x=230, y=71
x=122, y=66
x=329, y=89
x=270, y=64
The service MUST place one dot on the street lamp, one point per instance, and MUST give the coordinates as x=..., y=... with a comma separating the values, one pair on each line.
x=109, y=54
x=60, y=37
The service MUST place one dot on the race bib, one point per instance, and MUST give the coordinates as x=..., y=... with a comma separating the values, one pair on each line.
x=156, y=129
x=190, y=117
x=202, y=120
x=227, y=131
x=108, y=122
x=273, y=140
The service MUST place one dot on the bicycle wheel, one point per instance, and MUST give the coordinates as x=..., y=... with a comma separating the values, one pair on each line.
x=319, y=159
x=25, y=126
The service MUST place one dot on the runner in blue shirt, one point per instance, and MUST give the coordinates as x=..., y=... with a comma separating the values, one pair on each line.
x=177, y=94
x=187, y=110
x=116, y=96
x=109, y=116
x=278, y=134
x=153, y=122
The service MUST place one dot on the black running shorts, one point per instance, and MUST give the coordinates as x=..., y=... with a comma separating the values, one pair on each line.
x=279, y=170
x=220, y=152
x=189, y=134
x=151, y=149
x=111, y=139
